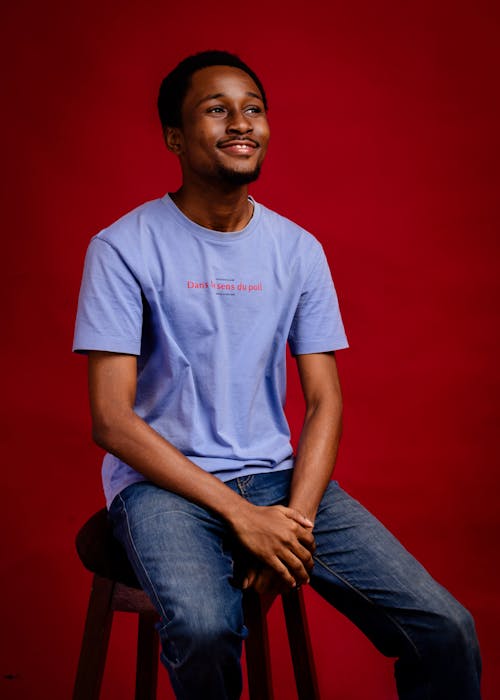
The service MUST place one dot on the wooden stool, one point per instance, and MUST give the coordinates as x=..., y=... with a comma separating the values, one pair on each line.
x=116, y=588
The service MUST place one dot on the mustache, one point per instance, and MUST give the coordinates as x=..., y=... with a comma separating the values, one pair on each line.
x=238, y=139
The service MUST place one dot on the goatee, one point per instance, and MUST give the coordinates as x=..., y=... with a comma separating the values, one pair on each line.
x=233, y=177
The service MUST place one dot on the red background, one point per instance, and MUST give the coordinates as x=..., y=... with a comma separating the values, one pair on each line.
x=385, y=145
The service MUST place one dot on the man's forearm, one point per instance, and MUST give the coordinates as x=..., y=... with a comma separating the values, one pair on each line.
x=314, y=463
x=316, y=455
x=136, y=443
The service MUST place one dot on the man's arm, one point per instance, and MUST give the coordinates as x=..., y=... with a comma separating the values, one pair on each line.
x=278, y=536
x=317, y=449
x=321, y=432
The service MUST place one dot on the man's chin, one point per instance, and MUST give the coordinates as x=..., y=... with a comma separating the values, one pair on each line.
x=235, y=177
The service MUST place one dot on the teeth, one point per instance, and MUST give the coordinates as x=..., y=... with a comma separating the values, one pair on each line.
x=243, y=147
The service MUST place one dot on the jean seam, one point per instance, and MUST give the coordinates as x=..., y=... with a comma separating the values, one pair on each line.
x=131, y=539
x=374, y=603
x=244, y=483
x=162, y=512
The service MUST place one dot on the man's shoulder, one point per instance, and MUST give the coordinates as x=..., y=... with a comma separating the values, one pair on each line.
x=145, y=217
x=287, y=230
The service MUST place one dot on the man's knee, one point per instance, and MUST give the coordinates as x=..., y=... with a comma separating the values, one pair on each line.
x=202, y=633
x=454, y=630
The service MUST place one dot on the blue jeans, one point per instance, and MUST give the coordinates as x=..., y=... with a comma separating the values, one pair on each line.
x=184, y=558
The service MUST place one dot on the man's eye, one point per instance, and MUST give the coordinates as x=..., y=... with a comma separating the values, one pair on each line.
x=216, y=110
x=254, y=109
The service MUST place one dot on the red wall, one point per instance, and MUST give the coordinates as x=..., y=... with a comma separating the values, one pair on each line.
x=385, y=145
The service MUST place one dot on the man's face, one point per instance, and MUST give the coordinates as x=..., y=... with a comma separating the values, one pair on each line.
x=224, y=132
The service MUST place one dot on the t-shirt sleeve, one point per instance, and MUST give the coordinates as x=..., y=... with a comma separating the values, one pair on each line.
x=109, y=315
x=317, y=324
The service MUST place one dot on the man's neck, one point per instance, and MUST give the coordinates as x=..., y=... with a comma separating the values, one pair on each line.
x=215, y=208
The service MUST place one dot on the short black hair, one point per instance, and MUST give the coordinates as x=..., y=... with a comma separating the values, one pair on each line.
x=174, y=87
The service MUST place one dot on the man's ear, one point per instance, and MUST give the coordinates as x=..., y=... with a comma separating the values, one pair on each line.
x=173, y=139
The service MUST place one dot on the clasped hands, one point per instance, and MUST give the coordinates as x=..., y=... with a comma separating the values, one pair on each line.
x=281, y=546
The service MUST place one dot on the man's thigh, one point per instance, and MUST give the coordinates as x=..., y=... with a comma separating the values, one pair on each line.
x=364, y=571
x=181, y=553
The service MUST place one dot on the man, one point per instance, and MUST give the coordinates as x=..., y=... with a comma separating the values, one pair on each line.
x=186, y=307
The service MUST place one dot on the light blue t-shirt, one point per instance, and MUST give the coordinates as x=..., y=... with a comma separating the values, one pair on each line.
x=208, y=314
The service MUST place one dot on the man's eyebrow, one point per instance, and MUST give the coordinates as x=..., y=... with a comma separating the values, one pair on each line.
x=216, y=96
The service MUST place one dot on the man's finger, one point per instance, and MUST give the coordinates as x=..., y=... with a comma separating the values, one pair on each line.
x=298, y=517
x=296, y=567
x=249, y=580
x=306, y=538
x=285, y=575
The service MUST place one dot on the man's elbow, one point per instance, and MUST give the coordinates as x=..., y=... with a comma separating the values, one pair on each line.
x=102, y=434
x=107, y=430
x=326, y=404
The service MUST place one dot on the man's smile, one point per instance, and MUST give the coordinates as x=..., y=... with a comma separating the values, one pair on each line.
x=239, y=146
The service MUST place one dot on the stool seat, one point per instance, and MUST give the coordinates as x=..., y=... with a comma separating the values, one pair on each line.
x=101, y=553
x=115, y=588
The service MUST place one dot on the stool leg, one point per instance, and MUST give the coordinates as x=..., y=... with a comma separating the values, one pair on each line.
x=95, y=641
x=300, y=645
x=147, y=657
x=257, y=648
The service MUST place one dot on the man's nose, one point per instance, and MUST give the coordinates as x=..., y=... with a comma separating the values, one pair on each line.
x=239, y=123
